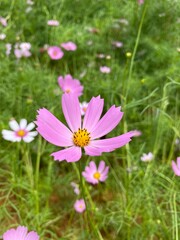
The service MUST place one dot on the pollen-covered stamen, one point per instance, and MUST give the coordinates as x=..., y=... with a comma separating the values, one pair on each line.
x=81, y=138
x=97, y=175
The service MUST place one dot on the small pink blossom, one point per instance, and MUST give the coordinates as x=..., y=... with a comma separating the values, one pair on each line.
x=21, y=131
x=105, y=69
x=117, y=44
x=75, y=187
x=176, y=167
x=94, y=174
x=3, y=21
x=80, y=205
x=84, y=134
x=69, y=46
x=20, y=233
x=22, y=49
x=147, y=157
x=55, y=53
x=70, y=85
x=53, y=23
x=140, y=2
x=83, y=107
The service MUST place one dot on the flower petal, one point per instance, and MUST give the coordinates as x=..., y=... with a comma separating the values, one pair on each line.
x=30, y=126
x=178, y=162
x=9, y=234
x=175, y=169
x=107, y=123
x=14, y=125
x=101, y=166
x=23, y=123
x=28, y=139
x=10, y=136
x=52, y=129
x=21, y=232
x=71, y=110
x=93, y=167
x=32, y=134
x=92, y=151
x=71, y=154
x=93, y=113
x=110, y=144
x=32, y=236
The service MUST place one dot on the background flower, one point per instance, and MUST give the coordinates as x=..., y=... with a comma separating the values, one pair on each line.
x=21, y=233
x=55, y=52
x=94, y=175
x=69, y=46
x=80, y=206
x=105, y=69
x=176, y=167
x=20, y=131
x=53, y=23
x=147, y=157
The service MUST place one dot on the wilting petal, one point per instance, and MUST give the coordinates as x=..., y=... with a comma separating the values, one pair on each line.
x=175, y=169
x=23, y=123
x=110, y=144
x=71, y=154
x=93, y=113
x=107, y=123
x=71, y=110
x=14, y=125
x=52, y=129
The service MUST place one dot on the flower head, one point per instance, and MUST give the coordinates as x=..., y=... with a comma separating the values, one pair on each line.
x=20, y=233
x=53, y=23
x=70, y=85
x=117, y=44
x=81, y=135
x=20, y=131
x=22, y=50
x=69, y=46
x=8, y=48
x=147, y=157
x=176, y=167
x=105, y=69
x=94, y=174
x=140, y=2
x=55, y=52
x=80, y=206
x=83, y=107
x=2, y=36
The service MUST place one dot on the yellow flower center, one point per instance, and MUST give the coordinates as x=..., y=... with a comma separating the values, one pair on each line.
x=97, y=175
x=21, y=133
x=81, y=138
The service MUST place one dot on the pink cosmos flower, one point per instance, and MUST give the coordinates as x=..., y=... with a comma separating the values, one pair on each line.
x=147, y=157
x=105, y=69
x=21, y=233
x=80, y=206
x=55, y=52
x=176, y=167
x=81, y=135
x=53, y=23
x=69, y=46
x=94, y=175
x=70, y=85
x=83, y=107
x=20, y=131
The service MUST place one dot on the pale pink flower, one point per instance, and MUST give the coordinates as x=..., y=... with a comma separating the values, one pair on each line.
x=70, y=85
x=8, y=48
x=140, y=2
x=53, y=23
x=22, y=49
x=147, y=157
x=69, y=46
x=105, y=69
x=80, y=205
x=117, y=44
x=55, y=52
x=29, y=2
x=94, y=174
x=75, y=187
x=2, y=36
x=83, y=107
x=20, y=131
x=176, y=167
x=3, y=21
x=80, y=134
x=20, y=233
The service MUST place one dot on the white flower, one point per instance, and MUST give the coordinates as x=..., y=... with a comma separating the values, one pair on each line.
x=20, y=131
x=147, y=157
x=83, y=107
x=2, y=36
x=25, y=46
x=8, y=48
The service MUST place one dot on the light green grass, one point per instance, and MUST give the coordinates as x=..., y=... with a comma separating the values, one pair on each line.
x=35, y=191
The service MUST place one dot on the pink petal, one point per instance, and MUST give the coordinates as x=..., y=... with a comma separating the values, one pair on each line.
x=178, y=162
x=175, y=169
x=28, y=139
x=103, y=178
x=71, y=110
x=101, y=166
x=110, y=144
x=8, y=235
x=93, y=113
x=71, y=154
x=92, y=151
x=32, y=236
x=52, y=129
x=93, y=167
x=21, y=233
x=107, y=123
